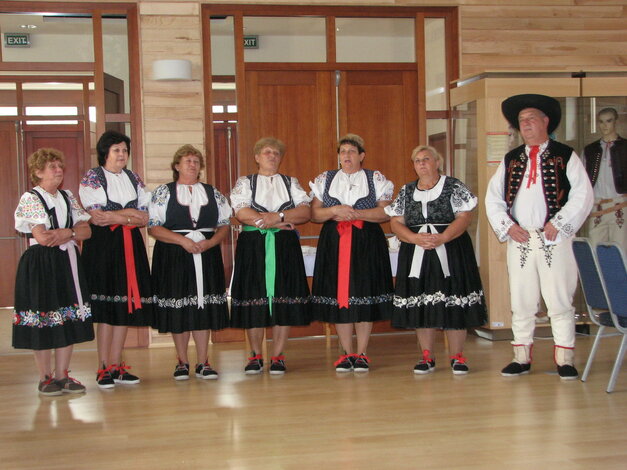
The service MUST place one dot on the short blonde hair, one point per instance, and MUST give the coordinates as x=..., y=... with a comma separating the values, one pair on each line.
x=183, y=151
x=432, y=150
x=271, y=142
x=39, y=159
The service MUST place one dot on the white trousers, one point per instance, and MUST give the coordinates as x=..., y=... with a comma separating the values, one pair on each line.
x=611, y=227
x=550, y=271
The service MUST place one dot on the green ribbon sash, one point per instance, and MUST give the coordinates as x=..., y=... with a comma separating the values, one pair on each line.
x=270, y=246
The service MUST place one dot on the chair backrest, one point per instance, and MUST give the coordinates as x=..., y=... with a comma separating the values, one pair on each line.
x=612, y=269
x=589, y=274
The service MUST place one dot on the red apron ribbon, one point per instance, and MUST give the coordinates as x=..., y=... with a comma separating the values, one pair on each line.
x=132, y=287
x=345, y=229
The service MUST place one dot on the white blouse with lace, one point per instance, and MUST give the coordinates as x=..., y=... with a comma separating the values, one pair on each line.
x=119, y=188
x=30, y=212
x=349, y=188
x=271, y=193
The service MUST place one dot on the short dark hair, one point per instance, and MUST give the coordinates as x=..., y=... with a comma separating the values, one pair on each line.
x=609, y=111
x=105, y=142
x=354, y=140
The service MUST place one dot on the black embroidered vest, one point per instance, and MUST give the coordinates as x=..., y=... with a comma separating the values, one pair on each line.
x=114, y=206
x=555, y=184
x=439, y=211
x=618, y=160
x=367, y=202
x=178, y=217
x=259, y=208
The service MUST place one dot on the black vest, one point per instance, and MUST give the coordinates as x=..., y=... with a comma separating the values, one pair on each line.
x=369, y=201
x=555, y=184
x=178, y=217
x=618, y=159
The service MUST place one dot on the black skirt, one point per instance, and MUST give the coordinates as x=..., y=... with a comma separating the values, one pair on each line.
x=175, y=291
x=105, y=269
x=249, y=301
x=433, y=301
x=370, y=286
x=47, y=314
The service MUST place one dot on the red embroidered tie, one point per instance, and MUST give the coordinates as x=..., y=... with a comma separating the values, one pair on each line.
x=345, y=229
x=533, y=170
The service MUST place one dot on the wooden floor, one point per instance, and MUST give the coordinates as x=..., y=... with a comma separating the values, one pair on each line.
x=315, y=418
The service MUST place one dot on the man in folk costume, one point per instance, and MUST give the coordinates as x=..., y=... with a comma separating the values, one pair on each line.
x=538, y=198
x=606, y=164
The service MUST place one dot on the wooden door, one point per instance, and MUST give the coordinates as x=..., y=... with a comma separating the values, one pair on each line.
x=70, y=142
x=11, y=244
x=299, y=107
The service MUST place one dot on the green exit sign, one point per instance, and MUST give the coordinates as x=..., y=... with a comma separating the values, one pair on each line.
x=16, y=40
x=251, y=42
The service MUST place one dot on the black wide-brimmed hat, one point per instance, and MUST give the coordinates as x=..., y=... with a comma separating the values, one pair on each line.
x=513, y=105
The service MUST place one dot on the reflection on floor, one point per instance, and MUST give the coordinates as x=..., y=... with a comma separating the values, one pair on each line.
x=314, y=418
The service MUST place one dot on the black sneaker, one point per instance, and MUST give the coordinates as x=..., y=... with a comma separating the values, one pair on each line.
x=361, y=363
x=458, y=365
x=121, y=375
x=345, y=363
x=515, y=368
x=255, y=365
x=181, y=371
x=49, y=387
x=205, y=372
x=567, y=372
x=104, y=378
x=277, y=366
x=426, y=364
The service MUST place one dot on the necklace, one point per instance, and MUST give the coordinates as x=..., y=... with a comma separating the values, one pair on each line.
x=430, y=187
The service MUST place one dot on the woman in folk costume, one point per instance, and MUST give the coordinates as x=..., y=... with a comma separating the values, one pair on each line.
x=437, y=281
x=115, y=260
x=269, y=287
x=51, y=310
x=352, y=284
x=189, y=219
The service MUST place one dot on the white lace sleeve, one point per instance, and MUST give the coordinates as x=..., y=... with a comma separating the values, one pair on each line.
x=29, y=212
x=224, y=209
x=158, y=206
x=91, y=193
x=299, y=195
x=496, y=208
x=78, y=213
x=241, y=194
x=462, y=200
x=317, y=186
x=397, y=208
x=384, y=188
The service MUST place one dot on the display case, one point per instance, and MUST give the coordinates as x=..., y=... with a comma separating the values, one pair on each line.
x=482, y=136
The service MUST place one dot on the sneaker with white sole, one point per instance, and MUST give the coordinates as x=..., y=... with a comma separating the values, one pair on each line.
x=181, y=371
x=70, y=384
x=205, y=372
x=345, y=363
x=458, y=365
x=361, y=363
x=277, y=365
x=121, y=376
x=255, y=365
x=49, y=387
x=426, y=364
x=104, y=378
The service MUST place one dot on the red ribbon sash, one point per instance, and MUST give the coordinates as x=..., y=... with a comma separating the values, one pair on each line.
x=345, y=229
x=132, y=287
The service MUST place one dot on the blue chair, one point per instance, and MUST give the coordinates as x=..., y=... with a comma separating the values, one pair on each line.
x=614, y=279
x=596, y=301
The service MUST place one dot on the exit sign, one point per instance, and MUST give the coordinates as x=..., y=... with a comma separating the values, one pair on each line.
x=16, y=40
x=251, y=42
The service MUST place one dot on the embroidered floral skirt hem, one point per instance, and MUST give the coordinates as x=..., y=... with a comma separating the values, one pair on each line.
x=46, y=313
x=176, y=294
x=104, y=259
x=370, y=285
x=433, y=301
x=249, y=301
